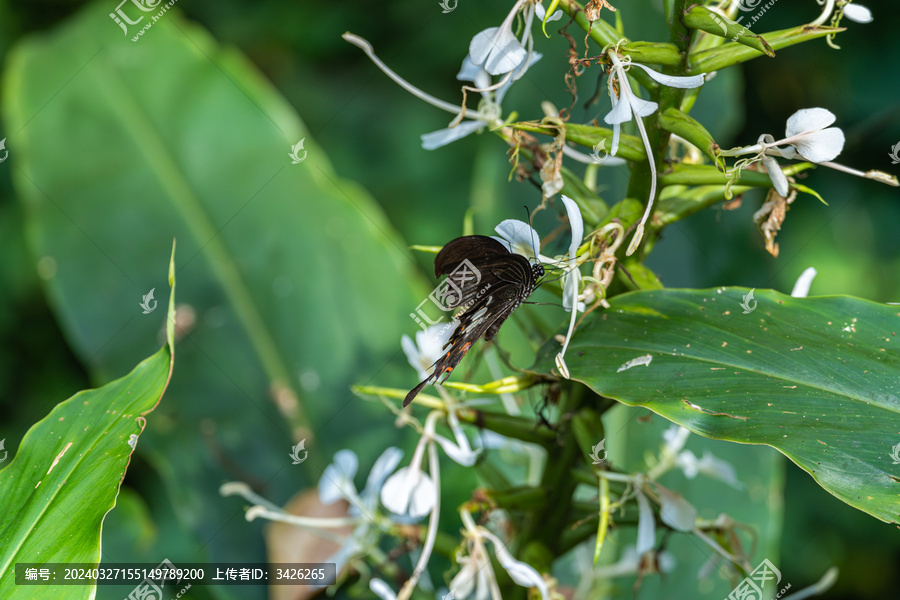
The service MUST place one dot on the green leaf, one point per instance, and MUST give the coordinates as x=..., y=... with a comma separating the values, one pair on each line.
x=683, y=125
x=732, y=53
x=700, y=17
x=298, y=285
x=66, y=475
x=815, y=378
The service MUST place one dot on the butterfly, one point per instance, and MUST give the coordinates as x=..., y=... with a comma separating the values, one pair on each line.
x=485, y=282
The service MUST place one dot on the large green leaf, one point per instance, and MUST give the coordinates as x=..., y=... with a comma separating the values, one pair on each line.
x=66, y=474
x=815, y=378
x=298, y=285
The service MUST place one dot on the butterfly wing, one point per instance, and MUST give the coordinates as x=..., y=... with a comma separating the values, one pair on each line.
x=504, y=281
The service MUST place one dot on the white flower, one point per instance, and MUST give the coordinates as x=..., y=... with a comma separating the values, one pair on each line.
x=541, y=12
x=475, y=120
x=854, y=12
x=490, y=110
x=381, y=589
x=801, y=288
x=497, y=49
x=409, y=491
x=428, y=347
x=709, y=465
x=808, y=133
x=571, y=279
x=336, y=484
x=626, y=105
x=675, y=511
x=646, y=529
x=337, y=480
x=521, y=238
x=858, y=13
x=477, y=572
x=807, y=136
x=674, y=454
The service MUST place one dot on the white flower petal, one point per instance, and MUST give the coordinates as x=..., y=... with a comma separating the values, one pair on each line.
x=521, y=573
x=714, y=467
x=540, y=11
x=788, y=152
x=571, y=285
x=501, y=91
x=412, y=355
x=620, y=113
x=821, y=146
x=675, y=511
x=497, y=50
x=673, y=81
x=807, y=120
x=576, y=222
x=464, y=456
x=473, y=73
x=519, y=237
x=409, y=492
x=337, y=479
x=383, y=467
x=858, y=13
x=381, y=589
x=430, y=342
x=642, y=108
x=688, y=463
x=779, y=180
x=442, y=137
x=646, y=530
x=801, y=288
x=675, y=438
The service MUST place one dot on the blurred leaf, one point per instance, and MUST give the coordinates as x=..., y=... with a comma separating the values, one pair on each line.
x=77, y=452
x=814, y=378
x=295, y=285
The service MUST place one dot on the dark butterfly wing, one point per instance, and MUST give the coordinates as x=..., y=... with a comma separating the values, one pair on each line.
x=505, y=281
x=469, y=262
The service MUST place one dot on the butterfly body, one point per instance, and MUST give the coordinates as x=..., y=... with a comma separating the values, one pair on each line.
x=491, y=282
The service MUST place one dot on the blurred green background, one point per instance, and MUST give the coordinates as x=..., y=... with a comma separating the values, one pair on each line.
x=369, y=129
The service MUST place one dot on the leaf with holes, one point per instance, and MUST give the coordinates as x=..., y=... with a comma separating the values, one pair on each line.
x=816, y=378
x=65, y=477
